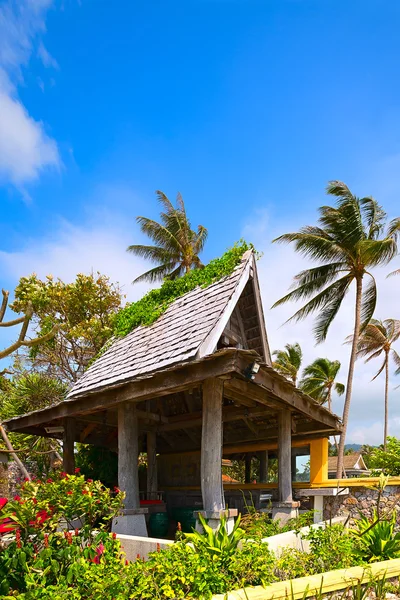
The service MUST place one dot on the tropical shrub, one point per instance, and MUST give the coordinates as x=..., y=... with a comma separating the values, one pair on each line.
x=378, y=539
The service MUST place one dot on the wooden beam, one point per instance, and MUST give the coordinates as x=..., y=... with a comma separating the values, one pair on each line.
x=277, y=389
x=263, y=474
x=152, y=480
x=160, y=384
x=285, y=456
x=88, y=429
x=211, y=446
x=128, y=452
x=69, y=445
x=229, y=413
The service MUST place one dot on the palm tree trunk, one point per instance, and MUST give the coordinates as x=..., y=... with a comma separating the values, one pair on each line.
x=346, y=408
x=385, y=431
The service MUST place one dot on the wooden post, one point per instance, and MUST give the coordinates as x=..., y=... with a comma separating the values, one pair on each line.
x=69, y=445
x=211, y=446
x=247, y=468
x=263, y=474
x=128, y=452
x=319, y=460
x=294, y=467
x=285, y=456
x=152, y=484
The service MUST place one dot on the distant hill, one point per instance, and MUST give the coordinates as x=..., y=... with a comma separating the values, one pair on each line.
x=355, y=447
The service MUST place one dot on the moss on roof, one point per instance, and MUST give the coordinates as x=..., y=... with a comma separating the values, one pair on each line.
x=149, y=308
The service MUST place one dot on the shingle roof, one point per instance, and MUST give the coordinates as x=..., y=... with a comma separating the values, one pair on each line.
x=349, y=462
x=174, y=338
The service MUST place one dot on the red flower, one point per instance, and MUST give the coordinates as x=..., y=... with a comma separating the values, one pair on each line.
x=49, y=480
x=77, y=470
x=114, y=535
x=89, y=480
x=63, y=474
x=34, y=501
x=76, y=532
x=126, y=562
x=69, y=493
x=17, y=498
x=84, y=491
x=117, y=490
x=18, y=538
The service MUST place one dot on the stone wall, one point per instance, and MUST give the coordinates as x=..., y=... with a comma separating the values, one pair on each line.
x=362, y=500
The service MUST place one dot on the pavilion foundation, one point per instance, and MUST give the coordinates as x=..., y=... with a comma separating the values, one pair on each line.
x=132, y=521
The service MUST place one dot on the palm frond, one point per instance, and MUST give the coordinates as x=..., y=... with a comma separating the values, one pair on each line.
x=374, y=216
x=153, y=253
x=339, y=388
x=312, y=246
x=368, y=304
x=380, y=370
x=158, y=233
x=155, y=274
x=396, y=359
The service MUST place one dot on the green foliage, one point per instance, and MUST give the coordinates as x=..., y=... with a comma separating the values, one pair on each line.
x=155, y=303
x=219, y=541
x=82, y=310
x=260, y=525
x=333, y=548
x=378, y=538
x=24, y=393
x=387, y=461
x=96, y=462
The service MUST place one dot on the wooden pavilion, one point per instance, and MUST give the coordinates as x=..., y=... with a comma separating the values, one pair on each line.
x=199, y=381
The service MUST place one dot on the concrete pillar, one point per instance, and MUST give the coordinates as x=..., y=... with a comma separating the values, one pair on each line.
x=132, y=522
x=247, y=468
x=211, y=454
x=285, y=508
x=263, y=474
x=69, y=445
x=152, y=483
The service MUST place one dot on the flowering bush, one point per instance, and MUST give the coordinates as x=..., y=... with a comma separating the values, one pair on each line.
x=61, y=502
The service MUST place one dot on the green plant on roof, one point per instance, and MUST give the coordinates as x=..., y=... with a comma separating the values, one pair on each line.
x=155, y=303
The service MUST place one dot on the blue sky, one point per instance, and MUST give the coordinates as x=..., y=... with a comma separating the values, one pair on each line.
x=247, y=107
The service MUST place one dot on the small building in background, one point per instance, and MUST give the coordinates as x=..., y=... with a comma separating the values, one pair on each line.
x=354, y=466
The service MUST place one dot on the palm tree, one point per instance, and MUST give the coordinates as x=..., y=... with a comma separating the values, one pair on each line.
x=376, y=340
x=349, y=239
x=319, y=380
x=177, y=246
x=288, y=361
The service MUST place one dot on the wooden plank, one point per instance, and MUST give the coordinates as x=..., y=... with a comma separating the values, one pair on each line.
x=69, y=445
x=306, y=587
x=241, y=326
x=160, y=384
x=261, y=318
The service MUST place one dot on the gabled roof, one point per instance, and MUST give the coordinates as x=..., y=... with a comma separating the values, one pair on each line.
x=351, y=462
x=190, y=329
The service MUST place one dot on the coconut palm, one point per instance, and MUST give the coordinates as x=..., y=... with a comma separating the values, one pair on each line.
x=376, y=341
x=177, y=246
x=288, y=361
x=349, y=239
x=319, y=380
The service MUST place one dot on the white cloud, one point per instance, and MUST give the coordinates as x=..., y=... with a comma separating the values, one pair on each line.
x=276, y=270
x=47, y=59
x=71, y=250
x=25, y=148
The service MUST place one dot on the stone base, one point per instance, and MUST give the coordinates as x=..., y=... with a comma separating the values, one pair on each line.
x=283, y=511
x=213, y=519
x=132, y=522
